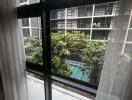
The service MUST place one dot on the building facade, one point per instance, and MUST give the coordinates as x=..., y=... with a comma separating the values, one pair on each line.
x=31, y=26
x=95, y=20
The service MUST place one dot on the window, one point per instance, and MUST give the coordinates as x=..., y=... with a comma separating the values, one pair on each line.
x=72, y=12
x=22, y=1
x=33, y=1
x=25, y=22
x=100, y=35
x=129, y=38
x=60, y=14
x=72, y=24
x=85, y=11
x=32, y=39
x=26, y=32
x=131, y=24
x=60, y=25
x=84, y=23
x=60, y=47
x=103, y=22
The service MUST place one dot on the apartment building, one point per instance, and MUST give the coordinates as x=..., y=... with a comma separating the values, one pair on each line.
x=31, y=26
x=95, y=20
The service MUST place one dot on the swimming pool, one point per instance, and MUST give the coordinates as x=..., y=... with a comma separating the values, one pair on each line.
x=77, y=73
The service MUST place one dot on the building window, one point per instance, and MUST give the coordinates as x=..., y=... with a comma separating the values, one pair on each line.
x=25, y=22
x=22, y=1
x=100, y=35
x=103, y=22
x=61, y=14
x=72, y=12
x=84, y=23
x=103, y=9
x=85, y=11
x=72, y=24
x=60, y=25
x=26, y=32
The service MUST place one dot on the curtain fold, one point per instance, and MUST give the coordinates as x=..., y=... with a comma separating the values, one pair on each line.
x=116, y=71
x=12, y=61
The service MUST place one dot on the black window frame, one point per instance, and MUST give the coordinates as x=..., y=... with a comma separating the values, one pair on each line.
x=42, y=10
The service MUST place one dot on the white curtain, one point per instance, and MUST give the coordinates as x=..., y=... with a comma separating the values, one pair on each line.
x=116, y=78
x=12, y=65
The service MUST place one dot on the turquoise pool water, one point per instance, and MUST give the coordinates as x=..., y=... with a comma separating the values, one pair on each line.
x=77, y=73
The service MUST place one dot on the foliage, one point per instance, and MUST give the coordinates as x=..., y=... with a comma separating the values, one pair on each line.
x=92, y=53
x=93, y=58
x=59, y=50
x=59, y=53
x=76, y=40
x=33, y=49
x=60, y=45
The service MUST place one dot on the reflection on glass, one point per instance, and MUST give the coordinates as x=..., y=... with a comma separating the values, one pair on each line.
x=32, y=39
x=65, y=92
x=74, y=55
x=25, y=22
x=78, y=40
x=100, y=35
x=27, y=2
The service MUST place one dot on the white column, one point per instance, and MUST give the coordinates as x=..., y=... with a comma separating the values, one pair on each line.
x=91, y=29
x=30, y=27
x=65, y=20
x=126, y=35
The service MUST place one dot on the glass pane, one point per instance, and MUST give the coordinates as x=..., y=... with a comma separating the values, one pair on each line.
x=72, y=24
x=64, y=92
x=129, y=37
x=72, y=12
x=28, y=2
x=103, y=22
x=35, y=32
x=26, y=32
x=35, y=87
x=32, y=41
x=84, y=23
x=100, y=35
x=25, y=22
x=128, y=49
x=103, y=9
x=35, y=22
x=85, y=11
x=33, y=1
x=77, y=51
x=22, y=1
x=131, y=24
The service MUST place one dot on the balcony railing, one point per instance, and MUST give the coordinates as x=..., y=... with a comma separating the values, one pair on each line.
x=36, y=91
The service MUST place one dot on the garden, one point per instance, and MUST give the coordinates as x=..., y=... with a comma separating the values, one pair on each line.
x=63, y=46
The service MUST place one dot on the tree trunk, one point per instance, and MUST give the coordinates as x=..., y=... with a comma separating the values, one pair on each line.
x=94, y=77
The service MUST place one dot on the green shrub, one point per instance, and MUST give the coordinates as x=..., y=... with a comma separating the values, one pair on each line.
x=91, y=53
x=93, y=59
x=33, y=49
x=59, y=50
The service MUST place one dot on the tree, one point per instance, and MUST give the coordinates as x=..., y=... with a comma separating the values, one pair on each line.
x=60, y=45
x=33, y=50
x=93, y=59
x=59, y=53
x=91, y=53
